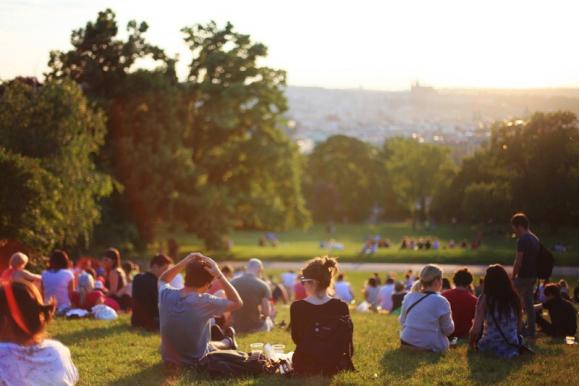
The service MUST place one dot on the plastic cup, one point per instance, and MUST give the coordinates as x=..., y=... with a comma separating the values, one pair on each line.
x=256, y=348
x=570, y=340
x=279, y=348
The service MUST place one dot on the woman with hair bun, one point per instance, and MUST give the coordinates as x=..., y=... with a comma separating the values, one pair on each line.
x=24, y=352
x=426, y=315
x=321, y=326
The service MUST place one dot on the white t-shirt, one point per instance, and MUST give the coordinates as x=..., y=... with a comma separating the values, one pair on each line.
x=343, y=291
x=47, y=363
x=386, y=296
x=289, y=279
x=177, y=281
x=55, y=285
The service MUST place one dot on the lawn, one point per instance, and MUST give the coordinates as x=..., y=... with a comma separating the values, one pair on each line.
x=112, y=353
x=498, y=245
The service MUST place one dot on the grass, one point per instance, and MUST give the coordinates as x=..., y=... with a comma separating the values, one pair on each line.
x=296, y=245
x=112, y=353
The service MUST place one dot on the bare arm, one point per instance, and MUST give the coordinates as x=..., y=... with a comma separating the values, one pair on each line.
x=265, y=307
x=113, y=282
x=231, y=294
x=517, y=264
x=169, y=275
x=478, y=321
x=29, y=276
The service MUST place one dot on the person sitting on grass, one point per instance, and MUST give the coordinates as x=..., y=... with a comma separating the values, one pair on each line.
x=498, y=315
x=562, y=313
x=462, y=302
x=398, y=297
x=426, y=315
x=17, y=270
x=371, y=293
x=115, y=278
x=26, y=357
x=145, y=312
x=185, y=315
x=320, y=325
x=87, y=296
x=58, y=281
x=386, y=294
x=343, y=290
x=564, y=290
x=257, y=311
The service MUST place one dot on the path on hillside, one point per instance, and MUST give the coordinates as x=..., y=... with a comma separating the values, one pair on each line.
x=568, y=271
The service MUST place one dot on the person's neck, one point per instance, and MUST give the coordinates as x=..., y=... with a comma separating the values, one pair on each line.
x=459, y=287
x=429, y=290
x=191, y=290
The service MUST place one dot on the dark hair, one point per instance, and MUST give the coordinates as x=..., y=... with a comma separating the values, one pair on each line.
x=520, y=220
x=552, y=289
x=160, y=260
x=340, y=277
x=113, y=254
x=399, y=286
x=196, y=275
x=58, y=260
x=563, y=283
x=462, y=277
x=227, y=269
x=446, y=284
x=389, y=280
x=35, y=314
x=372, y=282
x=500, y=294
x=129, y=266
x=321, y=269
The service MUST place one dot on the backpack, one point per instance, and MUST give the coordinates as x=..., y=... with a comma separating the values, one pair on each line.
x=545, y=263
x=326, y=348
x=232, y=364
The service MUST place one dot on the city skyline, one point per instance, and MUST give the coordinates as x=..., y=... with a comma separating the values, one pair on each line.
x=375, y=46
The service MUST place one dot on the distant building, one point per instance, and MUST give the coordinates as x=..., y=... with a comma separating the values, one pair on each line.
x=417, y=90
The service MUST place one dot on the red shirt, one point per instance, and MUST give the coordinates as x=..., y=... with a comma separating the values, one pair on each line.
x=299, y=291
x=91, y=299
x=463, y=305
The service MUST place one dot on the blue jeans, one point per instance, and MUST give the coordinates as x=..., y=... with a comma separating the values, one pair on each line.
x=525, y=288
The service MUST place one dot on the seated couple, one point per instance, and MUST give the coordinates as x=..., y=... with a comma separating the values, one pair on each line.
x=320, y=325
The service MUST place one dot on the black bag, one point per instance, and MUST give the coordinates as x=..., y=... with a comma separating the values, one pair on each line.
x=232, y=363
x=326, y=348
x=545, y=263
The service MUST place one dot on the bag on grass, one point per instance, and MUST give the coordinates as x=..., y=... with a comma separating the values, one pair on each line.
x=103, y=312
x=364, y=306
x=232, y=363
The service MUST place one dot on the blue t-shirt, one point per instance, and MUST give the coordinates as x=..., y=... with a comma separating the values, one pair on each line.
x=185, y=324
x=529, y=244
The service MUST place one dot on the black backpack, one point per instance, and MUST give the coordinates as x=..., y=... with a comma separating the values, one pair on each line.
x=545, y=263
x=232, y=364
x=326, y=348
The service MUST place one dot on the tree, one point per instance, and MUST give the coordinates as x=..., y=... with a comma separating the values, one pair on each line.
x=245, y=169
x=417, y=171
x=343, y=179
x=50, y=135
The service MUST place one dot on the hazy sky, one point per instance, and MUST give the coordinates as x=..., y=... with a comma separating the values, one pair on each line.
x=375, y=44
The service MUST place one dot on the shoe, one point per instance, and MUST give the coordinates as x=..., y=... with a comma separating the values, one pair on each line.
x=230, y=333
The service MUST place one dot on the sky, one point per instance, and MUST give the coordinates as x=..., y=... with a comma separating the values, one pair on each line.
x=371, y=44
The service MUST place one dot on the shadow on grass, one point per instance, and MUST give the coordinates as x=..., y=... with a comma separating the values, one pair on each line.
x=90, y=334
x=149, y=375
x=488, y=368
x=403, y=363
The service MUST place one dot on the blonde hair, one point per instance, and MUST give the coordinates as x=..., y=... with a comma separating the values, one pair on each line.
x=86, y=286
x=428, y=275
x=18, y=259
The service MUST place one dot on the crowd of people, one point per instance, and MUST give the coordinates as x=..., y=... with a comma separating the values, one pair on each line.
x=198, y=308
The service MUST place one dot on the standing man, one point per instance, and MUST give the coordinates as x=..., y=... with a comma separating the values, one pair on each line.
x=524, y=272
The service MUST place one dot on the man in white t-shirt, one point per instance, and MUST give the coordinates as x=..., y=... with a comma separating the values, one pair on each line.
x=343, y=289
x=386, y=294
x=288, y=280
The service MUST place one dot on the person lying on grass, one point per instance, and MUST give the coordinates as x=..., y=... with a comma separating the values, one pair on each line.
x=321, y=326
x=26, y=357
x=185, y=314
x=426, y=315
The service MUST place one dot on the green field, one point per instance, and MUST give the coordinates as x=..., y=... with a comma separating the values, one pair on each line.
x=111, y=353
x=498, y=245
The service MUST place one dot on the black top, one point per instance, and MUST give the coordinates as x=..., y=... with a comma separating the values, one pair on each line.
x=529, y=244
x=145, y=302
x=304, y=315
x=562, y=315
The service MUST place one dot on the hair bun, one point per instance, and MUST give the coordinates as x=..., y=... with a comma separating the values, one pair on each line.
x=330, y=263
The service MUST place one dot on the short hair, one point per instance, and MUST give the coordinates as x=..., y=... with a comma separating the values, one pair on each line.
x=18, y=259
x=389, y=280
x=399, y=286
x=254, y=265
x=520, y=220
x=552, y=289
x=160, y=260
x=113, y=254
x=462, y=277
x=227, y=269
x=58, y=260
x=372, y=282
x=196, y=275
x=340, y=277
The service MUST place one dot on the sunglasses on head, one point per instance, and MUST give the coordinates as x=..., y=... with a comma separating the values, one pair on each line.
x=304, y=280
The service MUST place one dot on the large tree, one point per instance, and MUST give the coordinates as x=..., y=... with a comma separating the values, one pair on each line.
x=417, y=171
x=245, y=169
x=49, y=136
